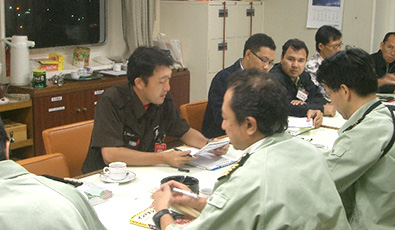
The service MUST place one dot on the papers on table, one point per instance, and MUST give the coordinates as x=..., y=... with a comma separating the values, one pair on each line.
x=299, y=125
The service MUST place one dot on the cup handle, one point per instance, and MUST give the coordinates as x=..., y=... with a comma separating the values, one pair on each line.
x=106, y=170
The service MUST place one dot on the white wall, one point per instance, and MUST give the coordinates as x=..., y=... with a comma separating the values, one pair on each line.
x=364, y=23
x=114, y=47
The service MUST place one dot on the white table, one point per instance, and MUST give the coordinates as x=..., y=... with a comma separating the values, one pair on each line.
x=133, y=197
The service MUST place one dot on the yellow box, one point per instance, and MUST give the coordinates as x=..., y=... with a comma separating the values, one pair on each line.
x=18, y=129
x=59, y=58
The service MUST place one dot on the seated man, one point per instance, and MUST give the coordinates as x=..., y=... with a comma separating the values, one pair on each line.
x=303, y=96
x=384, y=64
x=28, y=201
x=362, y=160
x=281, y=182
x=328, y=41
x=258, y=53
x=133, y=119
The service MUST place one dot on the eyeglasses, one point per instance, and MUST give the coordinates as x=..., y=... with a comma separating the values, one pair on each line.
x=270, y=63
x=337, y=46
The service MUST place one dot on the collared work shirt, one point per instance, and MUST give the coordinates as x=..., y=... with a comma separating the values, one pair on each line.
x=33, y=202
x=284, y=184
x=366, y=184
x=122, y=121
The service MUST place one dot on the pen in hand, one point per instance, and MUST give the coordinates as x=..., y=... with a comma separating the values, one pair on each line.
x=190, y=194
x=177, y=149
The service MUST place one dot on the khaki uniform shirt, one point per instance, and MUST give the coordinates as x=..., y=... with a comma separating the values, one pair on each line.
x=284, y=184
x=365, y=182
x=32, y=202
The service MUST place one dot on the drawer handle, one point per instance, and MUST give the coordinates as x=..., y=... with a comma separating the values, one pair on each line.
x=85, y=109
x=78, y=110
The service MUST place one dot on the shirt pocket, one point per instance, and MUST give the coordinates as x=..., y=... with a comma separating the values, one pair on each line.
x=338, y=152
x=218, y=200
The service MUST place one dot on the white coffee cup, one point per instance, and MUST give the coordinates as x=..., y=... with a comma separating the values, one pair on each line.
x=117, y=67
x=116, y=170
x=75, y=75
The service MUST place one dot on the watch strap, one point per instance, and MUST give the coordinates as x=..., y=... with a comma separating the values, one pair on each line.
x=158, y=215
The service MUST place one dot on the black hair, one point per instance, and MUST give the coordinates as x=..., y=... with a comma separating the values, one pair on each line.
x=325, y=34
x=3, y=139
x=296, y=44
x=261, y=96
x=256, y=41
x=352, y=67
x=143, y=62
x=387, y=36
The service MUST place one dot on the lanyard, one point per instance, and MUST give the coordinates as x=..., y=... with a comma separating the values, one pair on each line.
x=388, y=147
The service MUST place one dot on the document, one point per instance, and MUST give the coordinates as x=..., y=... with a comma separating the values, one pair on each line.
x=299, y=125
x=210, y=146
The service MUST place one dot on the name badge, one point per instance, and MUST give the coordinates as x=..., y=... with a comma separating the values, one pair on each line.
x=160, y=147
x=302, y=95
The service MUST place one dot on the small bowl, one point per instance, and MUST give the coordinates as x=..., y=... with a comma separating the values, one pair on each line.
x=191, y=182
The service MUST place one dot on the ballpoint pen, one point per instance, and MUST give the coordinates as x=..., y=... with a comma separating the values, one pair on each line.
x=190, y=194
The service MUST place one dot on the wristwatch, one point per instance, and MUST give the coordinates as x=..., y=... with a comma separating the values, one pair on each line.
x=158, y=215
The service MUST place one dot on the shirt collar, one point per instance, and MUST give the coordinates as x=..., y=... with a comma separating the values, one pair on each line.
x=254, y=146
x=357, y=114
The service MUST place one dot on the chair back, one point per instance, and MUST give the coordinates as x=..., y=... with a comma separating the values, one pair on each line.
x=193, y=113
x=51, y=164
x=72, y=140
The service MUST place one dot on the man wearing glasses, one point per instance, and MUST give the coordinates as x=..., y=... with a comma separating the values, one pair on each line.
x=328, y=41
x=304, y=97
x=384, y=64
x=258, y=53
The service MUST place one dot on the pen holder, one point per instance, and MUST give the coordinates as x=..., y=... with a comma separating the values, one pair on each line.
x=191, y=182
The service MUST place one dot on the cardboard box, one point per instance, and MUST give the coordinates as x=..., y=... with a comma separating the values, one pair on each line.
x=59, y=58
x=18, y=129
x=81, y=57
x=48, y=65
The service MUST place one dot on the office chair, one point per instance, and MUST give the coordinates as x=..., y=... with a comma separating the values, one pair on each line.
x=193, y=113
x=51, y=164
x=72, y=140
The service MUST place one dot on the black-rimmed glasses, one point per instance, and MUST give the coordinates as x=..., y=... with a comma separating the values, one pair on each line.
x=262, y=60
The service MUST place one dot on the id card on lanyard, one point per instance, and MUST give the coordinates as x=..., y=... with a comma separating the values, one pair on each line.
x=160, y=146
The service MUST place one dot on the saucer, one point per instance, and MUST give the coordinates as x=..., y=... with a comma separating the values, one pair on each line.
x=106, y=178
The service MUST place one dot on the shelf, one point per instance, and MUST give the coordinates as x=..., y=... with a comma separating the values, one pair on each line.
x=16, y=105
x=21, y=144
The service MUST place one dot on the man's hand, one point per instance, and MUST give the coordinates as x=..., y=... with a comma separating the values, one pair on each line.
x=177, y=159
x=163, y=198
x=329, y=110
x=317, y=117
x=298, y=102
x=387, y=79
x=220, y=151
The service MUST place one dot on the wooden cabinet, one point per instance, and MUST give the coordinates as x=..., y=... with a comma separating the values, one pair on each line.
x=20, y=112
x=75, y=101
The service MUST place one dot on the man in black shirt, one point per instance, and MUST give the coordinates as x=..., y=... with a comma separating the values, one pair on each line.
x=304, y=97
x=384, y=64
x=132, y=119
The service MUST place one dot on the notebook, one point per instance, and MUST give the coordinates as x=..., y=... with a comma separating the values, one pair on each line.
x=210, y=161
x=210, y=146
